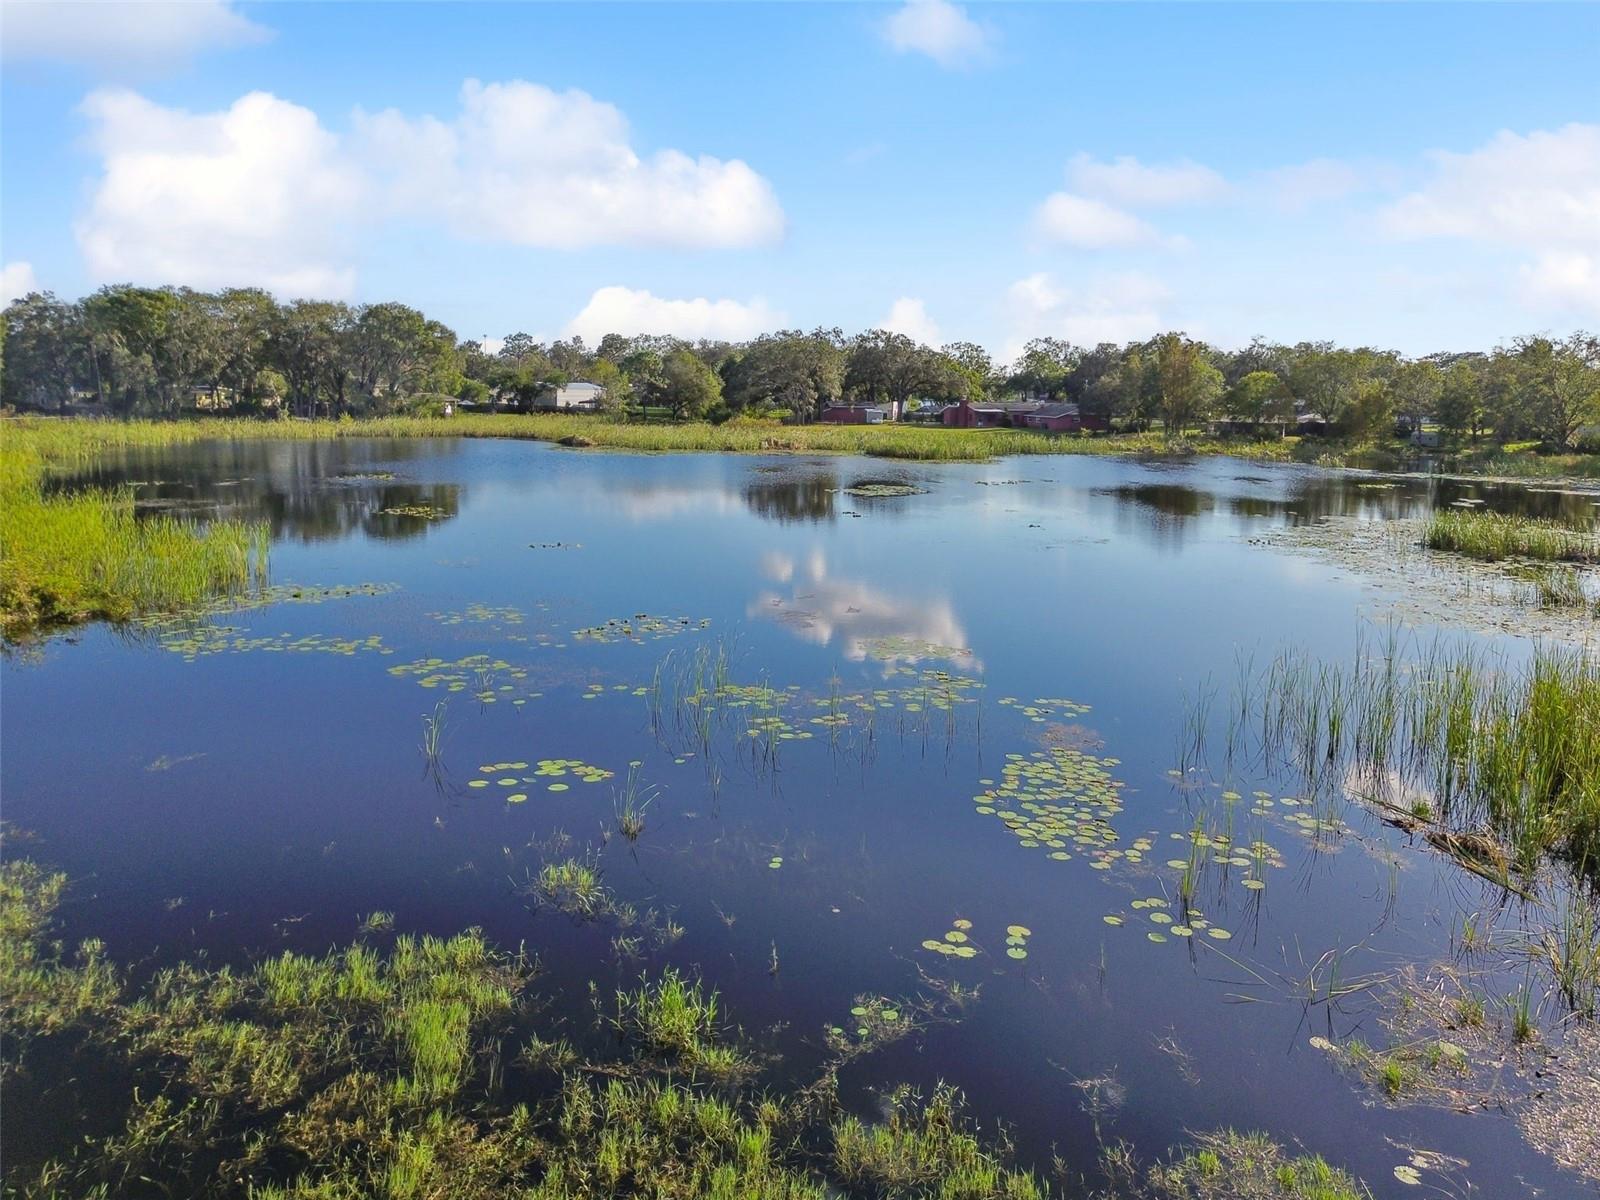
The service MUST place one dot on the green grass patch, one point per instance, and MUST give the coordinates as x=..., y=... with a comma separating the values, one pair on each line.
x=1492, y=537
x=75, y=557
x=63, y=441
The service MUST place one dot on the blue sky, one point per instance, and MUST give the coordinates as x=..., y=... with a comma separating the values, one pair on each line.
x=1418, y=176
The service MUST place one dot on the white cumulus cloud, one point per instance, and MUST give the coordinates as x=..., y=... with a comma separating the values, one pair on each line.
x=941, y=30
x=1567, y=280
x=521, y=163
x=1537, y=194
x=1093, y=212
x=1126, y=180
x=16, y=280
x=1092, y=224
x=631, y=311
x=909, y=316
x=1112, y=308
x=123, y=36
x=255, y=194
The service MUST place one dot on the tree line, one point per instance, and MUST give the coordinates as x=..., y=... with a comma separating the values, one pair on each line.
x=151, y=351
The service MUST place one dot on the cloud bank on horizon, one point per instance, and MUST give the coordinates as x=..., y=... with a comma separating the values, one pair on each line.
x=735, y=233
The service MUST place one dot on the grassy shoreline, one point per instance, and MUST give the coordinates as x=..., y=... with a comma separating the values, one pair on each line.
x=85, y=556
x=71, y=559
x=65, y=441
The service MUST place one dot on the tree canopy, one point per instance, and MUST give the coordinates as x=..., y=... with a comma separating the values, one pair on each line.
x=154, y=351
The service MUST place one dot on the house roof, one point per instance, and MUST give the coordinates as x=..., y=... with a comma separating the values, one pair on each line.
x=1056, y=410
x=582, y=383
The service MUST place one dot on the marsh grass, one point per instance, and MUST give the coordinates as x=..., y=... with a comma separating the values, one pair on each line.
x=433, y=729
x=1228, y=1165
x=1504, y=753
x=69, y=440
x=84, y=555
x=1493, y=537
x=1561, y=588
x=629, y=804
x=359, y=1073
x=679, y=1020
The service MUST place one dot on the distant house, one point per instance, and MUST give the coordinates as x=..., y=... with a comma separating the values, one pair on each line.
x=1425, y=439
x=1057, y=418
x=208, y=397
x=967, y=415
x=1240, y=426
x=854, y=414
x=1311, y=424
x=579, y=395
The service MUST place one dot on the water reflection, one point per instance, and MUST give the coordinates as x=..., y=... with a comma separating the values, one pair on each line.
x=780, y=496
x=310, y=491
x=865, y=621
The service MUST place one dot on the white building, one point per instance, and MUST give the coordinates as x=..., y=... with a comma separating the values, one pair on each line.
x=578, y=394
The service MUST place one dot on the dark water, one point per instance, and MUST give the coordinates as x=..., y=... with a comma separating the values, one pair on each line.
x=263, y=797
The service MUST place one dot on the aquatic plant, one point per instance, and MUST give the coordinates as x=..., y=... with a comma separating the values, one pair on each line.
x=359, y=1073
x=433, y=727
x=678, y=1019
x=922, y=1149
x=85, y=555
x=1495, y=536
x=641, y=627
x=1505, y=753
x=1248, y=1166
x=630, y=804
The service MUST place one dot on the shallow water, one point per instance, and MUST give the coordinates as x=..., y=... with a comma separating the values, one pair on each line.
x=261, y=788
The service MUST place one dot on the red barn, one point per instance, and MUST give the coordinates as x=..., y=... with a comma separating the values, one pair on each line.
x=1057, y=418
x=966, y=415
x=852, y=414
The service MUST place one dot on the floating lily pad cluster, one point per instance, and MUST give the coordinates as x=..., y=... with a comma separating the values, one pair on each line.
x=739, y=699
x=479, y=674
x=1043, y=709
x=641, y=627
x=875, y=1017
x=765, y=710
x=507, y=775
x=956, y=942
x=595, y=691
x=481, y=614
x=1191, y=922
x=775, y=863
x=283, y=593
x=420, y=512
x=1062, y=800
x=201, y=640
x=1017, y=941
x=874, y=489
x=886, y=649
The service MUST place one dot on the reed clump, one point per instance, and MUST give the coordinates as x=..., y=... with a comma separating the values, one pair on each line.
x=1493, y=537
x=85, y=555
x=1503, y=754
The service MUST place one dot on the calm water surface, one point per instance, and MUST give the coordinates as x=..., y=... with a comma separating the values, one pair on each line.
x=264, y=796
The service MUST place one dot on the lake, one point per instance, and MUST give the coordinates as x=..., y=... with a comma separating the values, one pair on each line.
x=866, y=705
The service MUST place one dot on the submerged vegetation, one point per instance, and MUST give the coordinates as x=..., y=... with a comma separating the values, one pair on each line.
x=415, y=1071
